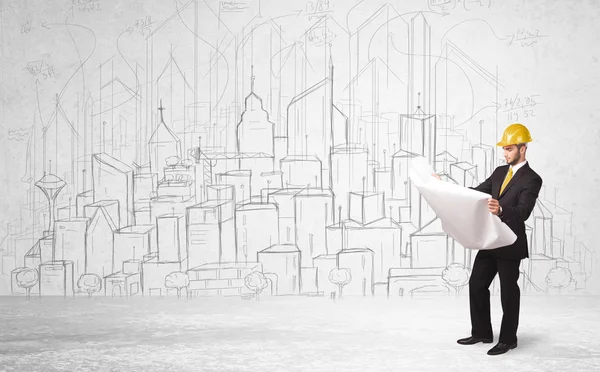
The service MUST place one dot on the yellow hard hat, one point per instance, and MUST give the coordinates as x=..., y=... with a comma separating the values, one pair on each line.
x=515, y=134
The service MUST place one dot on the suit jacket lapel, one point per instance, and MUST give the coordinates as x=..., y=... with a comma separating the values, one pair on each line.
x=513, y=180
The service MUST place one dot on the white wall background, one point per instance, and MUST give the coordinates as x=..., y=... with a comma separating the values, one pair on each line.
x=560, y=68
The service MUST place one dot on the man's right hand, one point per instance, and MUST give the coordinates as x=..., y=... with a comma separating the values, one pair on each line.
x=436, y=176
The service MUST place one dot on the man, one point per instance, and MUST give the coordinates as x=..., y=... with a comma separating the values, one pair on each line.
x=514, y=189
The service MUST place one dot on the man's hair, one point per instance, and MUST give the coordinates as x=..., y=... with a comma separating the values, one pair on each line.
x=519, y=145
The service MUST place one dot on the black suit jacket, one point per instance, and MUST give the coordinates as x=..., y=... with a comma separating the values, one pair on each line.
x=517, y=202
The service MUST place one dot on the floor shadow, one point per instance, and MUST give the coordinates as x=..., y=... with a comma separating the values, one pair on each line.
x=529, y=339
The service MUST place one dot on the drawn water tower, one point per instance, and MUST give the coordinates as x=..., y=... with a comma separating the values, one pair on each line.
x=50, y=186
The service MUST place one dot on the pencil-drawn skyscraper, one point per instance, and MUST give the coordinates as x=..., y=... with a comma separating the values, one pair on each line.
x=163, y=144
x=254, y=132
x=419, y=64
x=113, y=180
x=418, y=126
x=315, y=125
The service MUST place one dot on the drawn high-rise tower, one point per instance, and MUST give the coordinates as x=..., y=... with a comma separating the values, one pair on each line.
x=418, y=127
x=315, y=124
x=255, y=132
x=419, y=64
x=164, y=143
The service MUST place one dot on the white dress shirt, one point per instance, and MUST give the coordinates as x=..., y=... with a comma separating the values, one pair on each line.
x=516, y=167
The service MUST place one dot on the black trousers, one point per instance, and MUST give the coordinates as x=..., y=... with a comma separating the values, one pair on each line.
x=485, y=268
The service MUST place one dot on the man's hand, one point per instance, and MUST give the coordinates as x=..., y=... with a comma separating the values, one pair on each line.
x=436, y=176
x=494, y=206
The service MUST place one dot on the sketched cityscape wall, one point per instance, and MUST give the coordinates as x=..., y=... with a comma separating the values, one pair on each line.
x=220, y=151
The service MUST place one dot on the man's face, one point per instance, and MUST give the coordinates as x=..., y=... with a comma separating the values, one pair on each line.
x=512, y=154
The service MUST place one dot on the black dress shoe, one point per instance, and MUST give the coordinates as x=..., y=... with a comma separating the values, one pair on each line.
x=473, y=340
x=501, y=348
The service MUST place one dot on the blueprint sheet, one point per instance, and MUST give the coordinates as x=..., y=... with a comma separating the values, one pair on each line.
x=463, y=212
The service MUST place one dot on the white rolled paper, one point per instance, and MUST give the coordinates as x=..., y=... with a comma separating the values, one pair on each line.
x=463, y=212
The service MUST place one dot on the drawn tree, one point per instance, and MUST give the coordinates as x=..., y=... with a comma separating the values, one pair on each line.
x=457, y=276
x=340, y=277
x=172, y=161
x=177, y=280
x=27, y=278
x=559, y=278
x=256, y=282
x=90, y=283
x=187, y=162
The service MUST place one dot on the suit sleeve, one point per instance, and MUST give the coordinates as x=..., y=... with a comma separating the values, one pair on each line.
x=526, y=203
x=485, y=186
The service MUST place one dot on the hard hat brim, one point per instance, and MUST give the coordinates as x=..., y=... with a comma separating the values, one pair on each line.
x=502, y=144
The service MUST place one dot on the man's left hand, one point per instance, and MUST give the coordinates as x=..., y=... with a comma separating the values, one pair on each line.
x=494, y=206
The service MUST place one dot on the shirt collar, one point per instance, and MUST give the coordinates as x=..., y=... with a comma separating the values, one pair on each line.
x=516, y=167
